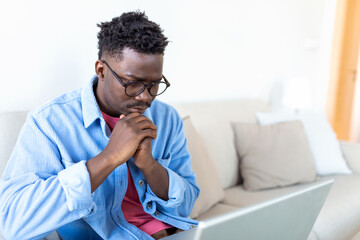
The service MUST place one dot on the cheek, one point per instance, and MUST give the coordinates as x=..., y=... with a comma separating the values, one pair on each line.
x=115, y=96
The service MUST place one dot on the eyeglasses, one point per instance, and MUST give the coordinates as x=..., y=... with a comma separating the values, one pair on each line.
x=134, y=88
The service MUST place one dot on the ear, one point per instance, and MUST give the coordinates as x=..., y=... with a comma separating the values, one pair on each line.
x=99, y=69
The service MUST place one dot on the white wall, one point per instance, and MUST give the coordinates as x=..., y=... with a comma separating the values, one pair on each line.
x=218, y=50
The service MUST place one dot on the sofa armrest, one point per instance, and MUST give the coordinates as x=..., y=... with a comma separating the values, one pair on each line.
x=351, y=152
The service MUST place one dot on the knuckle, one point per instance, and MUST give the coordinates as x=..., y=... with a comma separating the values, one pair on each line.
x=125, y=122
x=136, y=130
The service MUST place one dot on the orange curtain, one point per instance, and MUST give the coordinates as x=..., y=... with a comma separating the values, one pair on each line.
x=344, y=63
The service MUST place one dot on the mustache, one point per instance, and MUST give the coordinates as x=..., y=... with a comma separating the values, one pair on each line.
x=139, y=104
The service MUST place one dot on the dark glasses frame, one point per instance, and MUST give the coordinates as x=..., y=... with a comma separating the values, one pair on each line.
x=145, y=85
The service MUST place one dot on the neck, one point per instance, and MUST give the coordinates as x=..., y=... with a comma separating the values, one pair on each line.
x=102, y=106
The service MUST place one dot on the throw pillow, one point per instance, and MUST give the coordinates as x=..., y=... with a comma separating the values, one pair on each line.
x=322, y=139
x=273, y=156
x=207, y=178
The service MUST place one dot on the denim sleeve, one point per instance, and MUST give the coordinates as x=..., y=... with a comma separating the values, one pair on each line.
x=37, y=195
x=183, y=190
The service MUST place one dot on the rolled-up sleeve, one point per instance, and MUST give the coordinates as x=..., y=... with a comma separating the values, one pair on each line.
x=183, y=190
x=75, y=181
x=37, y=194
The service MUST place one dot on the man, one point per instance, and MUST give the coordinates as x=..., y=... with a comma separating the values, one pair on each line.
x=107, y=161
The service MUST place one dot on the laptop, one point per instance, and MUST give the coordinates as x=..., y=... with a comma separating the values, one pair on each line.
x=291, y=216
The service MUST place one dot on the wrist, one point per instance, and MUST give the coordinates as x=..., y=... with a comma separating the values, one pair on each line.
x=149, y=165
x=111, y=160
x=99, y=168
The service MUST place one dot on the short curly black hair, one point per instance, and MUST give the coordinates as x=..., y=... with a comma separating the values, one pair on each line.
x=132, y=30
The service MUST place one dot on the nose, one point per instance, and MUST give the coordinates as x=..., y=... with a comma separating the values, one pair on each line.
x=144, y=96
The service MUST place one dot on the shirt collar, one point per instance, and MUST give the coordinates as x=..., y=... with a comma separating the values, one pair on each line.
x=90, y=107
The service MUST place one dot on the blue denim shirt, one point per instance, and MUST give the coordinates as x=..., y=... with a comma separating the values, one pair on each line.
x=46, y=185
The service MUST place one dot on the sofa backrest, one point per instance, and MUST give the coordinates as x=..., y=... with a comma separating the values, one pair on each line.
x=10, y=126
x=212, y=121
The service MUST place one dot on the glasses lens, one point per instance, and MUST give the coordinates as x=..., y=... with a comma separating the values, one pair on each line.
x=158, y=89
x=134, y=88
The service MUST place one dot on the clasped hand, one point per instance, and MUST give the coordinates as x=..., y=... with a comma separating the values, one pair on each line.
x=132, y=137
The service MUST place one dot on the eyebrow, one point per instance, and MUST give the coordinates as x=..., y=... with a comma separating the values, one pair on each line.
x=141, y=79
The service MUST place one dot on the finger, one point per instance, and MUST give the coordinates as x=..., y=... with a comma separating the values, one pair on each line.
x=122, y=116
x=148, y=133
x=140, y=118
x=135, y=117
x=145, y=140
x=146, y=124
x=132, y=115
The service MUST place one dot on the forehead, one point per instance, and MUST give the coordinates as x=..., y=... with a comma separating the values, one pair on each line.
x=141, y=65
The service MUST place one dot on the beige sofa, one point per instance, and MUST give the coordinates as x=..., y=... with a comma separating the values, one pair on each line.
x=340, y=216
x=217, y=167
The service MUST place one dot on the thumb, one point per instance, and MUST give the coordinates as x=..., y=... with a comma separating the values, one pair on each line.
x=122, y=116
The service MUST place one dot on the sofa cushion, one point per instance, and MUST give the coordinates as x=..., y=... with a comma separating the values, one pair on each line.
x=211, y=120
x=10, y=126
x=207, y=178
x=340, y=215
x=351, y=152
x=216, y=210
x=273, y=156
x=356, y=237
x=322, y=139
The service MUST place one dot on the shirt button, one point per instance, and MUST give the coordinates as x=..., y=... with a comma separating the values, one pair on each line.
x=148, y=205
x=141, y=182
x=157, y=213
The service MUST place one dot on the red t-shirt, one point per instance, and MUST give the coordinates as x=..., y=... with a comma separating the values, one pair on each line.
x=131, y=206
